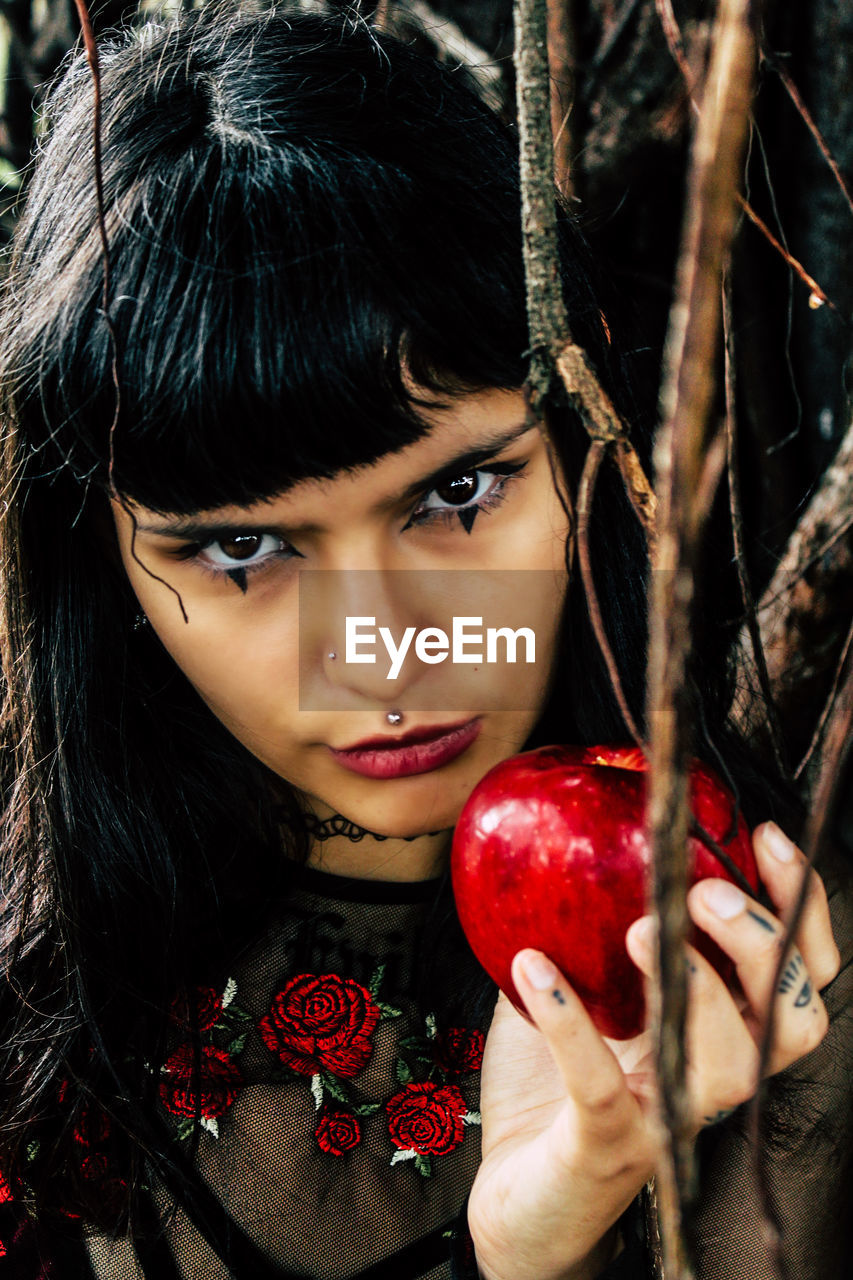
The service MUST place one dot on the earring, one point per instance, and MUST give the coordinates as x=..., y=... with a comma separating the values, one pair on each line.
x=140, y=621
x=394, y=717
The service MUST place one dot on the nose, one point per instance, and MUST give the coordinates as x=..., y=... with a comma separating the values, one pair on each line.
x=368, y=619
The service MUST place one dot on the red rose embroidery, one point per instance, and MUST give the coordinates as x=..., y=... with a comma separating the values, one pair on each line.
x=426, y=1118
x=5, y=1190
x=321, y=1022
x=211, y=1093
x=337, y=1132
x=201, y=1006
x=457, y=1050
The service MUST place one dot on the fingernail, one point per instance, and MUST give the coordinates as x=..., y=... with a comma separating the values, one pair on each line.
x=538, y=970
x=777, y=843
x=642, y=932
x=724, y=899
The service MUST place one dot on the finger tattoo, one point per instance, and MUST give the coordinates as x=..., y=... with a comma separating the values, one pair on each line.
x=558, y=996
x=765, y=924
x=805, y=995
x=791, y=974
x=719, y=1116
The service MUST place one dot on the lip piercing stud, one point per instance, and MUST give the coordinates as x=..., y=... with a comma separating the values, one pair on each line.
x=394, y=717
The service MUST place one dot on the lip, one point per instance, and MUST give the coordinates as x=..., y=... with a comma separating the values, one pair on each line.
x=418, y=751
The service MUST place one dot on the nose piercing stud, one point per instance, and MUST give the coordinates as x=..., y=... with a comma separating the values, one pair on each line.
x=331, y=654
x=394, y=717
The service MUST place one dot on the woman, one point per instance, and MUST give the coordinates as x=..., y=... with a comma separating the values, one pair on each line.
x=242, y=1033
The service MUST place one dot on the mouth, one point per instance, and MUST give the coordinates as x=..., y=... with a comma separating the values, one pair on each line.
x=420, y=750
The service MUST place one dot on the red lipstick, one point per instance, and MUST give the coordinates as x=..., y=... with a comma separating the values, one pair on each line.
x=418, y=751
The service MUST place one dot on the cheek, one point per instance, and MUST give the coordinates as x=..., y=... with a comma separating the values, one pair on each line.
x=242, y=662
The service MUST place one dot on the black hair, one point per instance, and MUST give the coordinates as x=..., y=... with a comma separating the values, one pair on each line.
x=306, y=220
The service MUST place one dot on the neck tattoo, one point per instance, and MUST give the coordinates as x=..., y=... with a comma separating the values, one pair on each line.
x=338, y=825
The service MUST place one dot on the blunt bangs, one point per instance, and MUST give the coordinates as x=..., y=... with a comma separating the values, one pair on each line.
x=294, y=261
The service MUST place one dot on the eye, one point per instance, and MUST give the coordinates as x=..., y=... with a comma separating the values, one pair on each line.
x=242, y=550
x=477, y=490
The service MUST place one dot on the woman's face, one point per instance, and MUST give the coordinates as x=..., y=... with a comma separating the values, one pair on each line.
x=242, y=649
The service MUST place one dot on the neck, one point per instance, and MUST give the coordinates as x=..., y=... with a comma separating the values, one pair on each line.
x=424, y=858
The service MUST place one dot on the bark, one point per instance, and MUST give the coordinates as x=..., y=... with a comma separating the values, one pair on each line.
x=686, y=464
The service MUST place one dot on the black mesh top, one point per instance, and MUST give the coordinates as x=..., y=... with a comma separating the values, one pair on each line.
x=336, y=1133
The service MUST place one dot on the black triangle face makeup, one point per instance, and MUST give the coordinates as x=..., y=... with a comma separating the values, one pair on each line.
x=467, y=518
x=240, y=578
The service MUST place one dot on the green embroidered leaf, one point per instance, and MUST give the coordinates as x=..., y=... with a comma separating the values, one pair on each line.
x=365, y=1108
x=398, y=1156
x=471, y=1117
x=33, y=1149
x=238, y=1044
x=317, y=1091
x=390, y=1011
x=411, y=1042
x=185, y=1128
x=432, y=1029
x=333, y=1087
x=404, y=1073
x=229, y=993
x=375, y=981
x=423, y=1164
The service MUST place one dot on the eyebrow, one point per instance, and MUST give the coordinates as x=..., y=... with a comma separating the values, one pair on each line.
x=470, y=460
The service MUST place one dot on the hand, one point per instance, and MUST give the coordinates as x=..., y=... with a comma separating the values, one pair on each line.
x=569, y=1122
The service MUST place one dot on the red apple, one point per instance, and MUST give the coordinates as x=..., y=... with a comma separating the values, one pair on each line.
x=550, y=851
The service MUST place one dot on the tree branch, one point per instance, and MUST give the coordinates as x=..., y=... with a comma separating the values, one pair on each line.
x=681, y=456
x=551, y=343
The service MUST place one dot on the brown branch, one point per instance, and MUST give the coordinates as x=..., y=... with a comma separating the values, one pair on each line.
x=784, y=612
x=551, y=343
x=746, y=595
x=561, y=61
x=672, y=33
x=603, y=423
x=687, y=399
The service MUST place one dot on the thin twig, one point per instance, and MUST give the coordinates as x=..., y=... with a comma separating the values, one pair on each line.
x=681, y=456
x=794, y=94
x=672, y=32
x=796, y=266
x=773, y=723
x=586, y=493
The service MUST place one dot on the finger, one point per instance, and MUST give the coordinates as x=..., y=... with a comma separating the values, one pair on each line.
x=752, y=937
x=592, y=1076
x=782, y=866
x=722, y=1057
